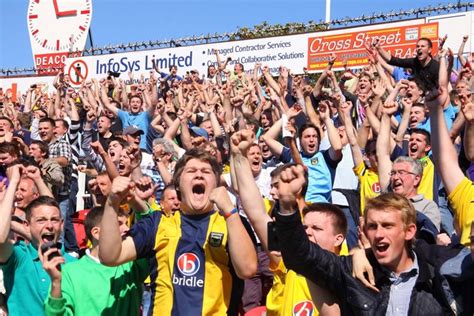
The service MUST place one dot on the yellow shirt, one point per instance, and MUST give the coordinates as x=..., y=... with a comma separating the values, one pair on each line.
x=426, y=186
x=369, y=184
x=462, y=201
x=290, y=294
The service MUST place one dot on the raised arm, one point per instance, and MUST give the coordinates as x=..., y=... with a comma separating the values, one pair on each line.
x=383, y=146
x=462, y=59
x=113, y=250
x=468, y=113
x=335, y=151
x=270, y=138
x=104, y=98
x=6, y=210
x=345, y=114
x=444, y=153
x=251, y=198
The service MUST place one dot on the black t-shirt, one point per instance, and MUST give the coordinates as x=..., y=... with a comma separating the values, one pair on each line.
x=428, y=74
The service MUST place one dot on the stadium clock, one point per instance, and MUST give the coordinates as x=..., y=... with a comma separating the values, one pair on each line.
x=59, y=25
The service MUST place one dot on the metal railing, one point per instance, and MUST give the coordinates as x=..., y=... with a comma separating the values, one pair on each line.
x=237, y=35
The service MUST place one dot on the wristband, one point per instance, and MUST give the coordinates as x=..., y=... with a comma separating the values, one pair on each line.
x=229, y=214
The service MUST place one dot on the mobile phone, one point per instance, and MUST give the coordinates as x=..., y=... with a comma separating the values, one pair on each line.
x=273, y=242
x=48, y=245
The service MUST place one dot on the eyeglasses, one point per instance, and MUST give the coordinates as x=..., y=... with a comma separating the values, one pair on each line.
x=401, y=173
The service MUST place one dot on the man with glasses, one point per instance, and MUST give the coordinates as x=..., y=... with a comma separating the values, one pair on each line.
x=403, y=175
x=26, y=282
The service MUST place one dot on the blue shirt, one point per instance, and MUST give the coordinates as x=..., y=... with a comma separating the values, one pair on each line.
x=26, y=282
x=141, y=119
x=401, y=289
x=321, y=173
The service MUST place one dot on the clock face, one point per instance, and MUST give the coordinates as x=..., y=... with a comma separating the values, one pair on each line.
x=58, y=25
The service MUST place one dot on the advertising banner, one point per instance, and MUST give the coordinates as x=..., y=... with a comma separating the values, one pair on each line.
x=400, y=41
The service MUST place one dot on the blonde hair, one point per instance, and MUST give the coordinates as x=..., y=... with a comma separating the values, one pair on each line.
x=392, y=202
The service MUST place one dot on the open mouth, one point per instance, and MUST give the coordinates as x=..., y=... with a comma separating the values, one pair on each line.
x=381, y=248
x=47, y=237
x=397, y=185
x=414, y=148
x=198, y=191
x=121, y=167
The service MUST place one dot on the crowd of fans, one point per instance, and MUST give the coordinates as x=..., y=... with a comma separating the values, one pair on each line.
x=236, y=192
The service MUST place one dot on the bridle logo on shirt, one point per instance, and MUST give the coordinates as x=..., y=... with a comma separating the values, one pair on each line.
x=188, y=264
x=304, y=308
x=314, y=161
x=376, y=187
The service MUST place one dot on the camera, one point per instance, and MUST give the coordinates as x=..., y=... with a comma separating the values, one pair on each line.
x=113, y=74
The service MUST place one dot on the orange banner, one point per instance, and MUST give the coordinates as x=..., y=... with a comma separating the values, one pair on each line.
x=399, y=41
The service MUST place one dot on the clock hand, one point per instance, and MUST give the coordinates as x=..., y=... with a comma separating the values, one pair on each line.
x=56, y=9
x=63, y=13
x=66, y=13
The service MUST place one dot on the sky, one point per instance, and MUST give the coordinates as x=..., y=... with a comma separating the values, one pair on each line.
x=115, y=22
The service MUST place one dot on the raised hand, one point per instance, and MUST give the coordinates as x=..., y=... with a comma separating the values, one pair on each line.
x=14, y=173
x=135, y=155
x=220, y=198
x=346, y=108
x=290, y=185
x=390, y=108
x=442, y=40
x=468, y=111
x=378, y=87
x=241, y=141
x=33, y=172
x=91, y=116
x=145, y=188
x=121, y=187
x=323, y=110
x=97, y=147
x=436, y=98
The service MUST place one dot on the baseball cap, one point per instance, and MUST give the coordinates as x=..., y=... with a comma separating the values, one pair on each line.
x=132, y=129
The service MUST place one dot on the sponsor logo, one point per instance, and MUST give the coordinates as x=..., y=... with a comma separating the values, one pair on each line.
x=188, y=264
x=429, y=31
x=304, y=308
x=411, y=34
x=376, y=187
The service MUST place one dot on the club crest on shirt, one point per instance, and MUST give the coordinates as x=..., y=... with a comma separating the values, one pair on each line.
x=314, y=161
x=215, y=239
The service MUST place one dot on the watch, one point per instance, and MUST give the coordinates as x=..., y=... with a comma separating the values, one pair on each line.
x=58, y=25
